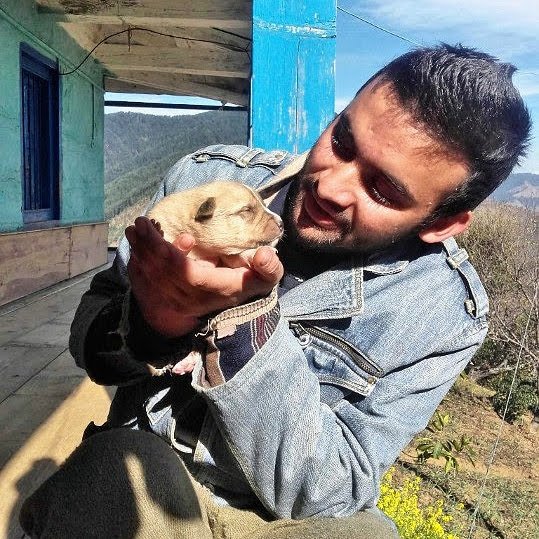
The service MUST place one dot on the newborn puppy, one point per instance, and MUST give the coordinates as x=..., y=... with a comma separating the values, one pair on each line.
x=228, y=221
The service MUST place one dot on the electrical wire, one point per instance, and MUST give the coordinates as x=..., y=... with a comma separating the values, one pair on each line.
x=378, y=27
x=131, y=29
x=502, y=419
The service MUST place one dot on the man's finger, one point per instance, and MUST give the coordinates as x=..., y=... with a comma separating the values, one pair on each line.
x=184, y=242
x=149, y=244
x=267, y=265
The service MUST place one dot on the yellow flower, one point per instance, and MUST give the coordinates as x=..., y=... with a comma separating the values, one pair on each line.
x=402, y=505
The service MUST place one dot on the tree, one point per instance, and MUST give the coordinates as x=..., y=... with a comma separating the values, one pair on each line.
x=503, y=245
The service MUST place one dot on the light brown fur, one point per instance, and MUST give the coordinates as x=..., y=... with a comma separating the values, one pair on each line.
x=227, y=220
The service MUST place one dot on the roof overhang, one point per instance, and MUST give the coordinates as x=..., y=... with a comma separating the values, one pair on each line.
x=192, y=47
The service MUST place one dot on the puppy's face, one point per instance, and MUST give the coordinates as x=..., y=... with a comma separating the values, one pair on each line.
x=233, y=218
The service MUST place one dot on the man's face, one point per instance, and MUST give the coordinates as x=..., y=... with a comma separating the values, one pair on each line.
x=370, y=180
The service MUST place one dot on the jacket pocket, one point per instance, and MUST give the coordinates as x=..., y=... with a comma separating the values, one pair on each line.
x=337, y=363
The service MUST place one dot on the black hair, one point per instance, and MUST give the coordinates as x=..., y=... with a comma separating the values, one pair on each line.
x=467, y=102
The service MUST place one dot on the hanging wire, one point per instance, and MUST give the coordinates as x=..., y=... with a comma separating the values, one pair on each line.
x=131, y=29
x=502, y=419
x=378, y=27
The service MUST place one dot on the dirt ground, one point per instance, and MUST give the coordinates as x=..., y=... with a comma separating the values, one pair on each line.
x=508, y=499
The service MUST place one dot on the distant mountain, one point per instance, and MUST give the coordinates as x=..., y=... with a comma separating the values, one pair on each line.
x=520, y=189
x=140, y=148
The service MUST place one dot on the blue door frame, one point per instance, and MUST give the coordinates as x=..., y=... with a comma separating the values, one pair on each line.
x=293, y=81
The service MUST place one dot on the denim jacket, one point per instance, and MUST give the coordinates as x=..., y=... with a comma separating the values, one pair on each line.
x=358, y=360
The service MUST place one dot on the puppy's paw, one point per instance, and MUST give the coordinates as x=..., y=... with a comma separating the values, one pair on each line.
x=187, y=364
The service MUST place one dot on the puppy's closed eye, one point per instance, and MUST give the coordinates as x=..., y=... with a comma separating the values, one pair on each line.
x=247, y=212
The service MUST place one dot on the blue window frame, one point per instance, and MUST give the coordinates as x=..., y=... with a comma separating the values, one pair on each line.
x=39, y=136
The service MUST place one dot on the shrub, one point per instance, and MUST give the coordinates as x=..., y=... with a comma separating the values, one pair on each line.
x=438, y=446
x=503, y=244
x=523, y=398
x=401, y=504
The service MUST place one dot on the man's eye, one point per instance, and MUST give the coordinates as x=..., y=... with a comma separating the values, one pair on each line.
x=380, y=192
x=341, y=149
x=378, y=197
x=342, y=143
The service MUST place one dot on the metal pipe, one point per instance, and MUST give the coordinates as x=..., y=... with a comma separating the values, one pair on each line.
x=184, y=106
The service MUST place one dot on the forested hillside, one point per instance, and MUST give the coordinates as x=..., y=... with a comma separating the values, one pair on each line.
x=140, y=148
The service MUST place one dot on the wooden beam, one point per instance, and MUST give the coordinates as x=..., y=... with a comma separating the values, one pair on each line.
x=172, y=106
x=83, y=35
x=217, y=62
x=228, y=14
x=142, y=83
x=179, y=70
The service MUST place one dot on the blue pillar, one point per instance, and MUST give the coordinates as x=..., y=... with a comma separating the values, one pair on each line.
x=293, y=79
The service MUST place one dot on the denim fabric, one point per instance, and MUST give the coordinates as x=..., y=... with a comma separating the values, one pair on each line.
x=360, y=358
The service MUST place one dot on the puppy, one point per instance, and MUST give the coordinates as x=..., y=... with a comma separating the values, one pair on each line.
x=228, y=220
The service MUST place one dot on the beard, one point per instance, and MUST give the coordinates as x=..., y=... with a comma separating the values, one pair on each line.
x=342, y=240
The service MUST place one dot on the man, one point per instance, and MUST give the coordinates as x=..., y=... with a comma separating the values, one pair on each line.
x=301, y=403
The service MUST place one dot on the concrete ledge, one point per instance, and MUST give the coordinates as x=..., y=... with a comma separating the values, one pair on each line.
x=34, y=259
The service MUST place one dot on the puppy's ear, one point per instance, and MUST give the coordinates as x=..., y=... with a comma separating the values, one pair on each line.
x=206, y=209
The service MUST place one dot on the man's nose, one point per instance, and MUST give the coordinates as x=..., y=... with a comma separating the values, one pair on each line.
x=338, y=186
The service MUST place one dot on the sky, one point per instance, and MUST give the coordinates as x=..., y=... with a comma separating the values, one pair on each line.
x=507, y=29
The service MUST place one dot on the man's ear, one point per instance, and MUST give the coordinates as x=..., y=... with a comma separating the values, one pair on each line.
x=445, y=227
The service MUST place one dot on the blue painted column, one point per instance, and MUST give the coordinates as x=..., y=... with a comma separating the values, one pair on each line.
x=293, y=80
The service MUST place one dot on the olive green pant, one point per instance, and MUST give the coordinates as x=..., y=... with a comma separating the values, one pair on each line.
x=131, y=484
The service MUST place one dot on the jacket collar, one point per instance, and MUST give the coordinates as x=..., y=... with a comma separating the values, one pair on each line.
x=337, y=292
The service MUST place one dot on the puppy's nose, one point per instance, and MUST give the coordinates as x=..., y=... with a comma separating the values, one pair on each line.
x=274, y=227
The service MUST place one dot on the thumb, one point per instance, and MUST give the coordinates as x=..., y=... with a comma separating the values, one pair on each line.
x=184, y=242
x=267, y=265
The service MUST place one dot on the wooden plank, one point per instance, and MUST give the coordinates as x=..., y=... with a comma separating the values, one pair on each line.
x=173, y=84
x=227, y=14
x=150, y=22
x=48, y=334
x=88, y=247
x=46, y=431
x=33, y=260
x=59, y=379
x=215, y=61
x=293, y=83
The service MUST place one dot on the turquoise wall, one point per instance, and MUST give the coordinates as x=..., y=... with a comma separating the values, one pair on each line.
x=81, y=129
x=293, y=82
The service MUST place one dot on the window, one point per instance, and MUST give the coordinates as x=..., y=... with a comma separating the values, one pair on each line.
x=39, y=134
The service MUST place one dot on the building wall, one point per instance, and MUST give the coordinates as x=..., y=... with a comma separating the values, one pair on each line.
x=34, y=257
x=293, y=81
x=81, y=113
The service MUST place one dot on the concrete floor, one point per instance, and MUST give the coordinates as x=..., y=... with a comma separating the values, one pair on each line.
x=46, y=401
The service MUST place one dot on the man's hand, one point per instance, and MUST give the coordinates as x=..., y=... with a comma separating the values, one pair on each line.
x=173, y=290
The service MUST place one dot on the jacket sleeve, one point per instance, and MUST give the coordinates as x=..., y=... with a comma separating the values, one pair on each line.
x=94, y=340
x=304, y=458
